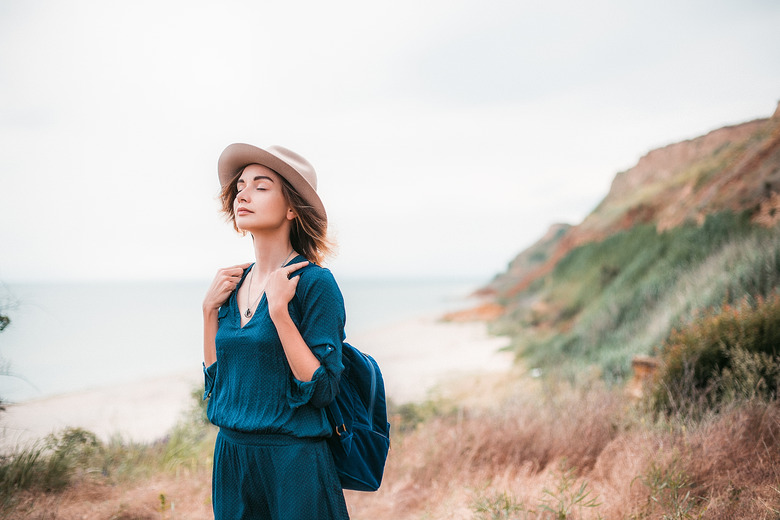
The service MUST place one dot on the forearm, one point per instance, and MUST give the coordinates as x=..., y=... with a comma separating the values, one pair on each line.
x=210, y=324
x=302, y=361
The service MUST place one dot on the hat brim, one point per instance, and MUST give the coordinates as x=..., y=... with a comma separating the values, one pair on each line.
x=284, y=162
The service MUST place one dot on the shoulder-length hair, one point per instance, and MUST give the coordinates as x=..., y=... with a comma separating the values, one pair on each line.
x=308, y=232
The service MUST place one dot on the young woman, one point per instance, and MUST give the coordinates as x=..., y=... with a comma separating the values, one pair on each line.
x=273, y=332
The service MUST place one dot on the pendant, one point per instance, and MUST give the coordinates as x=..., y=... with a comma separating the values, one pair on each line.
x=248, y=313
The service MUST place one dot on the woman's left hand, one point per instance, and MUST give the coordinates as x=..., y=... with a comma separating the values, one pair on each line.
x=280, y=288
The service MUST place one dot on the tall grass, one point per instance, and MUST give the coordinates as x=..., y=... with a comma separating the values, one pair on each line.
x=74, y=456
x=48, y=465
x=567, y=453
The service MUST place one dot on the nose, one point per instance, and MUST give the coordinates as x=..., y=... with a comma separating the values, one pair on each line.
x=241, y=195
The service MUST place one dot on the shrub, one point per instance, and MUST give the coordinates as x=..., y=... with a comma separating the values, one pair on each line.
x=726, y=354
x=407, y=416
x=49, y=465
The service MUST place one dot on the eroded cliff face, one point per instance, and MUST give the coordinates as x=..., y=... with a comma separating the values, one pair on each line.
x=733, y=168
x=527, y=264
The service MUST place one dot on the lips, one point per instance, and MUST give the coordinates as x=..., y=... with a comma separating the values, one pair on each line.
x=243, y=211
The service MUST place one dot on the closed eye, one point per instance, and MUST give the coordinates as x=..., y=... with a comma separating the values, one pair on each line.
x=261, y=183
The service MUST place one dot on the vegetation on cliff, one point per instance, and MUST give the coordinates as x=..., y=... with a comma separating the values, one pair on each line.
x=691, y=229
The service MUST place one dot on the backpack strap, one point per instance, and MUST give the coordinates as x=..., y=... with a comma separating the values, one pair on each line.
x=372, y=395
x=336, y=420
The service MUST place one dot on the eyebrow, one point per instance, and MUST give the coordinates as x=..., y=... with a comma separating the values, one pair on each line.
x=257, y=178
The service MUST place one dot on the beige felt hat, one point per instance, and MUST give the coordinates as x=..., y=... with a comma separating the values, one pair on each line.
x=294, y=168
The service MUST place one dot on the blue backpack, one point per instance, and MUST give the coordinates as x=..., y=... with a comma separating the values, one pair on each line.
x=361, y=434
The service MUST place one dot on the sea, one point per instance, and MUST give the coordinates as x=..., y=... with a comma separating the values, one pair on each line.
x=68, y=337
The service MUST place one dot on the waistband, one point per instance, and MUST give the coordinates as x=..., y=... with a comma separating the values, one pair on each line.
x=265, y=439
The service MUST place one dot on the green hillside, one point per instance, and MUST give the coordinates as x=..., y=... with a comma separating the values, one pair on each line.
x=692, y=227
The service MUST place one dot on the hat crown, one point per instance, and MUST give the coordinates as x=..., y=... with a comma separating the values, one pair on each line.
x=298, y=163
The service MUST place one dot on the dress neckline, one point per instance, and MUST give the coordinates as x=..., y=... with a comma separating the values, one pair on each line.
x=237, y=309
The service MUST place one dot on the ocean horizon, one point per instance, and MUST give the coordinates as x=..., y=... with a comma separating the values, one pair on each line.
x=71, y=336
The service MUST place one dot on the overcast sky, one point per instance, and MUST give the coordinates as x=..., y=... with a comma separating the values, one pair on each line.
x=447, y=135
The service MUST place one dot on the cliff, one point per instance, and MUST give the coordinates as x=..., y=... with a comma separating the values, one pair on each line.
x=692, y=226
x=735, y=168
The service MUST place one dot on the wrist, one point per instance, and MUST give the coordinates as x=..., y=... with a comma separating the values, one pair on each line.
x=210, y=310
x=279, y=313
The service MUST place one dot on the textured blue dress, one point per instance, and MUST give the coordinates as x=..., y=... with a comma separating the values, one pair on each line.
x=270, y=459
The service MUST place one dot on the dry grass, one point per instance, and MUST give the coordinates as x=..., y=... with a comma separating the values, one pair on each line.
x=187, y=496
x=555, y=453
x=734, y=462
x=447, y=463
x=514, y=464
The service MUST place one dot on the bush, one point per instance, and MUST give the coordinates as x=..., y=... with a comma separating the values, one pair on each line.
x=726, y=354
x=49, y=465
x=407, y=416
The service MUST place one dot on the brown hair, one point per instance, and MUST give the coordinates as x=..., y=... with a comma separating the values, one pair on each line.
x=309, y=231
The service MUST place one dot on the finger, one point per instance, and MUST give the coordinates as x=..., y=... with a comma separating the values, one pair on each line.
x=229, y=285
x=294, y=267
x=240, y=268
x=235, y=271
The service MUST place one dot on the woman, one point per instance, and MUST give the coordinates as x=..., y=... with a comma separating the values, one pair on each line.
x=272, y=340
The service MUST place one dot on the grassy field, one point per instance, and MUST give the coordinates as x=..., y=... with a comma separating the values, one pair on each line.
x=546, y=450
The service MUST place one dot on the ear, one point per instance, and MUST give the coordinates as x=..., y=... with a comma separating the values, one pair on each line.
x=291, y=214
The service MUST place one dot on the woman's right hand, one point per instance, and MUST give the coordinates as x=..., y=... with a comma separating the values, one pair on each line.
x=224, y=283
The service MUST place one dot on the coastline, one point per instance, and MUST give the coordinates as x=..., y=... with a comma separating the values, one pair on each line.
x=418, y=358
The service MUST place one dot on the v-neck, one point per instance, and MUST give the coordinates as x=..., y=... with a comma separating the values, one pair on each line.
x=240, y=314
x=262, y=299
x=252, y=317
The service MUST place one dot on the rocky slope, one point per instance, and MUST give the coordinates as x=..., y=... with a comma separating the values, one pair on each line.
x=733, y=168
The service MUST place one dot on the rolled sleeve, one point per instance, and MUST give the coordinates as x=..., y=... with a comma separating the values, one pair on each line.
x=322, y=317
x=208, y=376
x=302, y=392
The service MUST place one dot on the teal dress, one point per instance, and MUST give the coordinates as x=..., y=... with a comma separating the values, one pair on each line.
x=270, y=459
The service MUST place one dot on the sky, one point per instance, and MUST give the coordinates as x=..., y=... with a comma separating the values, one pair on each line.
x=447, y=135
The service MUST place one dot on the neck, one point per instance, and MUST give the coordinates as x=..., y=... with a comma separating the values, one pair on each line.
x=271, y=251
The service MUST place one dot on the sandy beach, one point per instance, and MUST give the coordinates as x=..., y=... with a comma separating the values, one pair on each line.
x=417, y=358
x=420, y=357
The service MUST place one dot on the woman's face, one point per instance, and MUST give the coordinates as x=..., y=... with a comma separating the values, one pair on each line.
x=260, y=204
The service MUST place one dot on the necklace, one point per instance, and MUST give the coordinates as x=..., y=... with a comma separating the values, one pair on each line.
x=249, y=308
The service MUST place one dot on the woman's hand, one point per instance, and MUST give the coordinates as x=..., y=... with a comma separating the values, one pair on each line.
x=224, y=283
x=280, y=289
